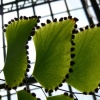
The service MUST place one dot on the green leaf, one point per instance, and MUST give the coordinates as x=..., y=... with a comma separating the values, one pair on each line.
x=60, y=97
x=16, y=61
x=86, y=70
x=52, y=43
x=24, y=95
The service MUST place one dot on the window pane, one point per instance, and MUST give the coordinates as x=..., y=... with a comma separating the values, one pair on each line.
x=88, y=2
x=12, y=91
x=1, y=40
x=81, y=16
x=42, y=10
x=9, y=16
x=14, y=7
x=26, y=12
x=6, y=1
x=14, y=97
x=98, y=97
x=32, y=52
x=38, y=1
x=32, y=56
x=2, y=77
x=58, y=6
x=7, y=8
x=20, y=4
x=3, y=92
x=1, y=59
x=92, y=15
x=73, y=4
x=4, y=98
x=27, y=3
x=98, y=1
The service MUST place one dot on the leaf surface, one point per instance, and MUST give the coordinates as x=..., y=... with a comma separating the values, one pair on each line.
x=60, y=97
x=86, y=70
x=52, y=43
x=24, y=95
x=16, y=61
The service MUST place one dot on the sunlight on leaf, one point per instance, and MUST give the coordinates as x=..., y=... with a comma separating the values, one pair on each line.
x=17, y=34
x=86, y=71
x=24, y=95
x=60, y=97
x=52, y=43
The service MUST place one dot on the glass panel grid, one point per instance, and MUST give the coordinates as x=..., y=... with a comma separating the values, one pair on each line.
x=58, y=6
x=42, y=10
x=73, y=4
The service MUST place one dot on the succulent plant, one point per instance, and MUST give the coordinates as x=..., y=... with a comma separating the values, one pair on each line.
x=64, y=54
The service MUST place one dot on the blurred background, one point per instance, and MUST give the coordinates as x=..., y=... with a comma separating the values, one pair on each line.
x=87, y=11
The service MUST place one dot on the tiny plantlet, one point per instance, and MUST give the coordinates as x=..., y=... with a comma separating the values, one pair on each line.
x=64, y=54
